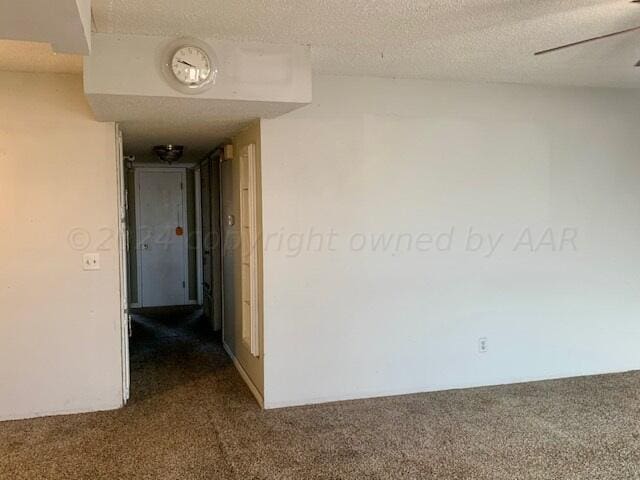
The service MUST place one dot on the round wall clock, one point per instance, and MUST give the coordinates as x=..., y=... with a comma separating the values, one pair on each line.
x=189, y=65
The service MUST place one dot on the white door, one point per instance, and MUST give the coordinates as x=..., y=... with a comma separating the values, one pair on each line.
x=123, y=251
x=162, y=236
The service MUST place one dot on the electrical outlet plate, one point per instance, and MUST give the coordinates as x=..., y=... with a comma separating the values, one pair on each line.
x=483, y=345
x=91, y=261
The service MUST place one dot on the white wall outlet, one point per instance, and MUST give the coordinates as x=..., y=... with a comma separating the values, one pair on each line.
x=91, y=261
x=483, y=345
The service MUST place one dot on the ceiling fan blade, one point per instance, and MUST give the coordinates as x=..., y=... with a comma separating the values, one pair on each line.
x=600, y=37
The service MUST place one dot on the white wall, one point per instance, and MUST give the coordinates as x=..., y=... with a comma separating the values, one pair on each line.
x=59, y=325
x=378, y=156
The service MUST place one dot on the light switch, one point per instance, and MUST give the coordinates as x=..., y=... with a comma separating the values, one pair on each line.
x=91, y=261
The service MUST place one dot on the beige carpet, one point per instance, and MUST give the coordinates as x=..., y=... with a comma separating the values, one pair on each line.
x=191, y=417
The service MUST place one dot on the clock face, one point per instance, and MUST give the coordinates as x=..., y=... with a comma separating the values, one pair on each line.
x=191, y=66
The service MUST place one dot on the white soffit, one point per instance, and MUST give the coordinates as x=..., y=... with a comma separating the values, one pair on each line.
x=488, y=40
x=65, y=24
x=123, y=80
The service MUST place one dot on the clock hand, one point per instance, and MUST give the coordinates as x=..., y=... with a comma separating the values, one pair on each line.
x=186, y=63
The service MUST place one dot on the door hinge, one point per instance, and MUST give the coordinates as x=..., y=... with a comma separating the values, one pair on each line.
x=184, y=285
x=181, y=186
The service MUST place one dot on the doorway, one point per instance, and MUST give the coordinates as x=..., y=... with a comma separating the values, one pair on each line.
x=180, y=219
x=167, y=209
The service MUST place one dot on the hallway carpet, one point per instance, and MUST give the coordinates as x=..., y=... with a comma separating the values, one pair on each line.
x=191, y=417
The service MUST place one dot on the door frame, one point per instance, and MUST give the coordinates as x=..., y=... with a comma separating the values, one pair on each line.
x=185, y=218
x=223, y=223
x=123, y=254
x=198, y=232
x=211, y=164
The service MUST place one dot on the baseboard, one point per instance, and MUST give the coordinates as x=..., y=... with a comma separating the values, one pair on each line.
x=254, y=390
x=370, y=394
x=55, y=413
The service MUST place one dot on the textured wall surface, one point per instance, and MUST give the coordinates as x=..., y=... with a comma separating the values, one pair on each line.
x=60, y=325
x=374, y=285
x=17, y=56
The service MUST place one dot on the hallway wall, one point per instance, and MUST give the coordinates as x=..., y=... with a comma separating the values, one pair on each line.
x=407, y=222
x=59, y=325
x=251, y=366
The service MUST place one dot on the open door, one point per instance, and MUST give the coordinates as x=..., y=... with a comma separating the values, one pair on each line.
x=249, y=249
x=240, y=253
x=123, y=248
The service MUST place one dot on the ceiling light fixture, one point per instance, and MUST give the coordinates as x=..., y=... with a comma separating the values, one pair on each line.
x=168, y=153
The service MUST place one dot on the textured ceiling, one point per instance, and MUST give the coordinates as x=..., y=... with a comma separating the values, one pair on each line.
x=17, y=56
x=487, y=40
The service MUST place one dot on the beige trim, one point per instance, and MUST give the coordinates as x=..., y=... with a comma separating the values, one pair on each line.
x=254, y=390
x=249, y=255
